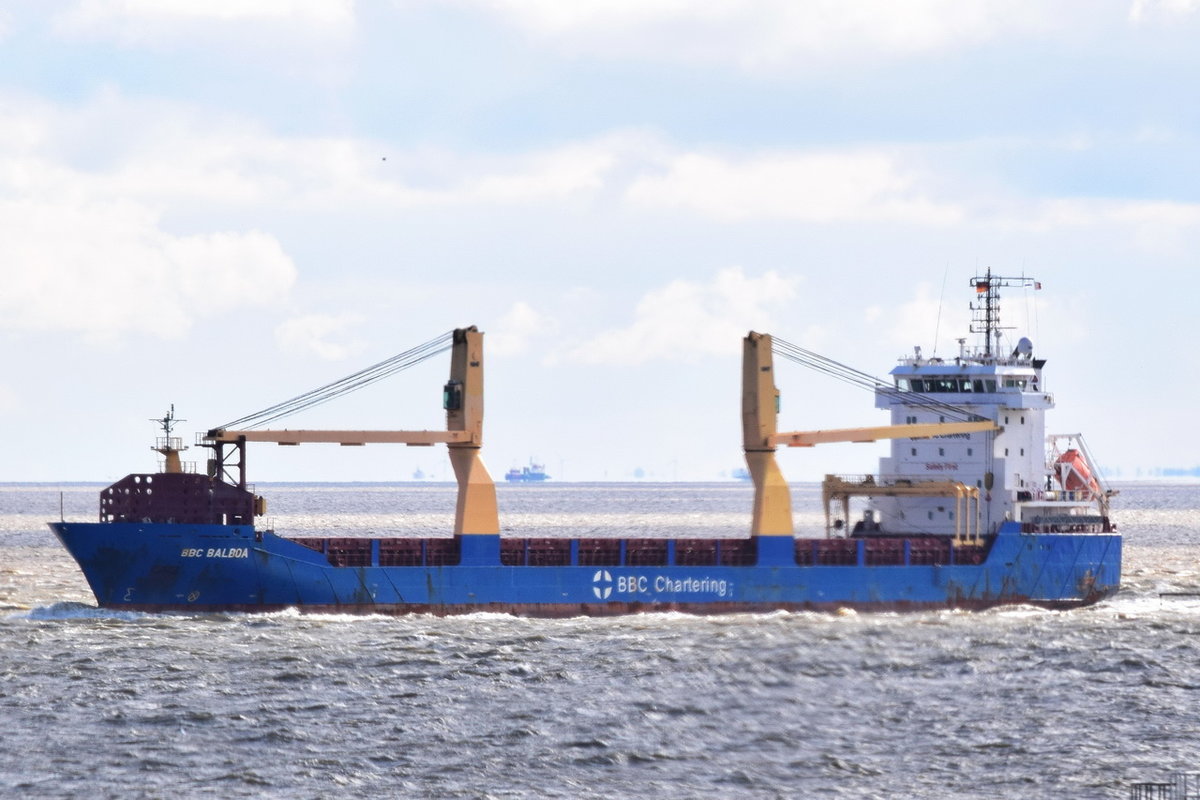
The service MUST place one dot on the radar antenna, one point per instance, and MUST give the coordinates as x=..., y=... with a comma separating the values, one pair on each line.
x=169, y=421
x=985, y=318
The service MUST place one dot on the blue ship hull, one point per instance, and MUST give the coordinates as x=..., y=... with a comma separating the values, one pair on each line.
x=212, y=568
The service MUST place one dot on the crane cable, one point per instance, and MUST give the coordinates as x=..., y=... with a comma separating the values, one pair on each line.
x=847, y=374
x=350, y=383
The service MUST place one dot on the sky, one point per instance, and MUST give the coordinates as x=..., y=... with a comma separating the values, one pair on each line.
x=222, y=205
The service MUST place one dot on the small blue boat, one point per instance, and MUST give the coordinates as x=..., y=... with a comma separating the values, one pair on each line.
x=534, y=473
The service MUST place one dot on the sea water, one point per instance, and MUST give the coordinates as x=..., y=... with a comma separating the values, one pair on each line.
x=1009, y=703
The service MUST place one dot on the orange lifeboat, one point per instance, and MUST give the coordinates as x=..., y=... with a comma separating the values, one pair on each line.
x=1073, y=473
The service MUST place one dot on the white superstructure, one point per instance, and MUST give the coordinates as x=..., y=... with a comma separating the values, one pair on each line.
x=1016, y=475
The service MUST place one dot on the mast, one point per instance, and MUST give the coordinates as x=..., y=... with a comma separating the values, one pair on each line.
x=169, y=446
x=985, y=318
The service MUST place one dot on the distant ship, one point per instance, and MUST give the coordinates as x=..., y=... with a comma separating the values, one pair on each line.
x=974, y=507
x=531, y=474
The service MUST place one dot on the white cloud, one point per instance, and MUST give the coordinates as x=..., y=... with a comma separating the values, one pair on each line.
x=549, y=175
x=84, y=250
x=313, y=334
x=930, y=319
x=9, y=401
x=230, y=164
x=813, y=187
x=166, y=154
x=84, y=192
x=580, y=169
x=1157, y=226
x=768, y=34
x=143, y=21
x=518, y=327
x=685, y=320
x=104, y=269
x=1142, y=9
x=308, y=41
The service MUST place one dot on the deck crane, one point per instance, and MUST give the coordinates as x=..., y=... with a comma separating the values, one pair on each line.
x=772, y=514
x=462, y=399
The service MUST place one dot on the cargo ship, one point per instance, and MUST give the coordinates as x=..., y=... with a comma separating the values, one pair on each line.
x=974, y=507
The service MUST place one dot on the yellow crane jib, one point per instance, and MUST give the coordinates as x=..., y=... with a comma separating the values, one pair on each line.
x=344, y=438
x=924, y=430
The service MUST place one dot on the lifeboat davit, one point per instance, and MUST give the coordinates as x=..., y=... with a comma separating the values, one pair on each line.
x=1073, y=473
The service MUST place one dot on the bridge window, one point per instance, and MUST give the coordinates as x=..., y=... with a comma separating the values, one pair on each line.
x=937, y=384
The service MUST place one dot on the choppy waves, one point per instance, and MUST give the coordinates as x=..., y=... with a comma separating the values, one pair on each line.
x=1011, y=702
